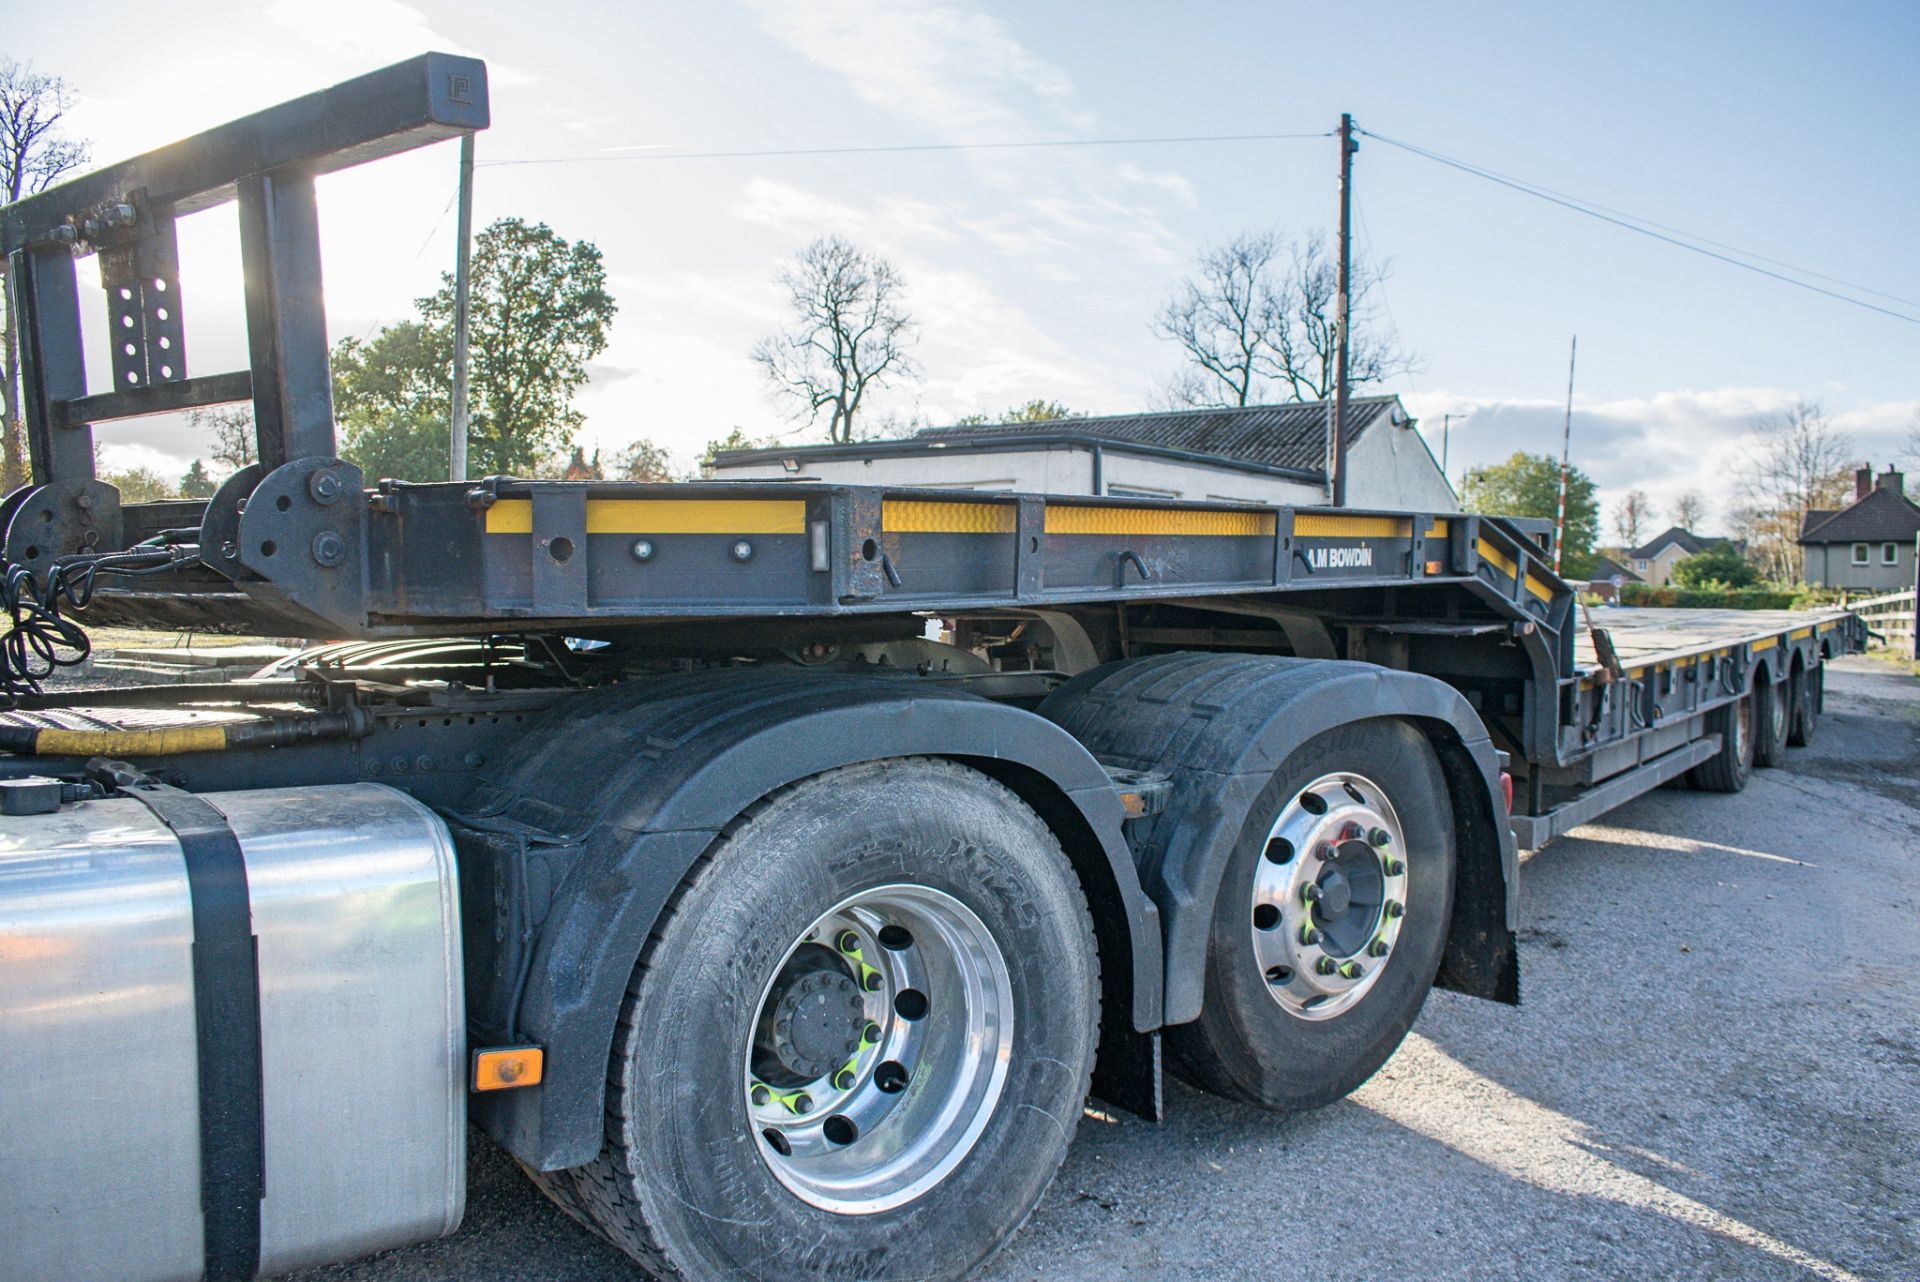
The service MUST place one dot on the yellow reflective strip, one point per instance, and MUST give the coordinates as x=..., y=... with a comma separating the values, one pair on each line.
x=1439, y=529
x=1063, y=519
x=665, y=516
x=1499, y=559
x=1315, y=525
x=510, y=516
x=130, y=743
x=922, y=516
x=1802, y=633
x=1766, y=643
x=1539, y=587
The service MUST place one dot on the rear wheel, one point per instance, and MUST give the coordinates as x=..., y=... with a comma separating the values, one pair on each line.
x=1729, y=769
x=859, y=1042
x=1806, y=705
x=1773, y=706
x=1329, y=923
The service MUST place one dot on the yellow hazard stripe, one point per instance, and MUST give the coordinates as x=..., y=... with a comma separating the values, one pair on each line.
x=1800, y=635
x=1315, y=525
x=1766, y=643
x=1538, y=586
x=665, y=516
x=922, y=516
x=1076, y=519
x=1438, y=529
x=130, y=743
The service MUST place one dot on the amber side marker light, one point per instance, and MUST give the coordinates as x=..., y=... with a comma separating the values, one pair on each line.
x=506, y=1068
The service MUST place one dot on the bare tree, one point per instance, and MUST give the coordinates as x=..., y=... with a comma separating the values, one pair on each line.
x=1259, y=319
x=1797, y=463
x=1630, y=516
x=851, y=334
x=234, y=443
x=643, y=461
x=1690, y=510
x=32, y=157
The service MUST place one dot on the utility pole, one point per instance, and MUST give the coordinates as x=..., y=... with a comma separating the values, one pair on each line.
x=1446, y=431
x=1342, y=311
x=457, y=451
x=1566, y=457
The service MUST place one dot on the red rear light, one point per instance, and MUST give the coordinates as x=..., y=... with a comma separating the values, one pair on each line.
x=1506, y=790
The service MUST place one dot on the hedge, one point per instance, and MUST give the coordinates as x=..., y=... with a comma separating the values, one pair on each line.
x=1774, y=598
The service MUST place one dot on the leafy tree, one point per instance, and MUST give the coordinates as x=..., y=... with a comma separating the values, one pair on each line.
x=1259, y=322
x=231, y=427
x=197, y=484
x=1529, y=485
x=139, y=485
x=850, y=334
x=737, y=439
x=33, y=156
x=643, y=461
x=1716, y=565
x=1034, y=411
x=539, y=313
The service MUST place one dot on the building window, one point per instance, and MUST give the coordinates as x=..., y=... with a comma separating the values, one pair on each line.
x=1889, y=554
x=1640, y=563
x=1859, y=554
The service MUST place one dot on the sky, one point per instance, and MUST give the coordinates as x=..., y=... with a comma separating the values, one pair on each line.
x=1783, y=129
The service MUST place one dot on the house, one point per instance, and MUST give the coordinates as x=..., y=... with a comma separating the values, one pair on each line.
x=1608, y=577
x=1653, y=562
x=1272, y=454
x=1867, y=545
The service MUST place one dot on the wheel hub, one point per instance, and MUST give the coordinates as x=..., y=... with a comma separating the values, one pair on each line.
x=1329, y=895
x=817, y=1021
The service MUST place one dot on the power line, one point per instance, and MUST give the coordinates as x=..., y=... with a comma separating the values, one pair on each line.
x=1645, y=227
x=763, y=153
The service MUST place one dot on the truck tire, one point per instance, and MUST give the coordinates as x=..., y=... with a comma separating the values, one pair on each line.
x=1729, y=769
x=1329, y=924
x=1773, y=718
x=1806, y=704
x=896, y=954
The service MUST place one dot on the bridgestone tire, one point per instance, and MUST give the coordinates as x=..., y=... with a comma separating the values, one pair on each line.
x=683, y=1186
x=1806, y=705
x=1729, y=769
x=1245, y=1046
x=1772, y=721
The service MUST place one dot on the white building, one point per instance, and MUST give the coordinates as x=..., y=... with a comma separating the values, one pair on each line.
x=1272, y=454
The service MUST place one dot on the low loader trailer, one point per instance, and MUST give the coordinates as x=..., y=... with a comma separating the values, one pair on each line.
x=772, y=869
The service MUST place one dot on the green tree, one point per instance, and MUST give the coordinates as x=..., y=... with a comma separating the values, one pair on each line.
x=1034, y=411
x=539, y=313
x=139, y=485
x=1718, y=564
x=197, y=484
x=642, y=461
x=737, y=439
x=1529, y=485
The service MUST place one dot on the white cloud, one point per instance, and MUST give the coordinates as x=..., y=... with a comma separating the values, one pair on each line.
x=378, y=31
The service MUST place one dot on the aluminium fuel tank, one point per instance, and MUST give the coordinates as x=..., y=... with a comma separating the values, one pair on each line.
x=362, y=1107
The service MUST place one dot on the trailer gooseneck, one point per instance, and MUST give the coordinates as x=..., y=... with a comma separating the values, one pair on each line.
x=772, y=869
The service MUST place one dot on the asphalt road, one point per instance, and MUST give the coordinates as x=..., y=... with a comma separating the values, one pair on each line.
x=1715, y=1074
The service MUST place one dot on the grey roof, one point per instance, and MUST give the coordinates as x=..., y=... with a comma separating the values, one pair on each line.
x=1686, y=540
x=1813, y=518
x=1288, y=436
x=1605, y=568
x=1883, y=516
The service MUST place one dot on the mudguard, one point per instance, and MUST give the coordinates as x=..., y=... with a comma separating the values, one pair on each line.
x=574, y=843
x=1220, y=725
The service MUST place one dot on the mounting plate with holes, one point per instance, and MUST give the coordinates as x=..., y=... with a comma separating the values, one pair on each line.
x=220, y=523
x=61, y=519
x=303, y=532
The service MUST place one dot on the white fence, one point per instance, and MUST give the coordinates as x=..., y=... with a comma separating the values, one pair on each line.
x=1892, y=618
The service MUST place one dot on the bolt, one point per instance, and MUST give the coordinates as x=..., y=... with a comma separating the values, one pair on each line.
x=802, y=1103
x=760, y=1096
x=642, y=550
x=1352, y=970
x=83, y=501
x=1378, y=948
x=1311, y=892
x=1395, y=908
x=324, y=486
x=1395, y=867
x=119, y=215
x=329, y=549
x=1325, y=966
x=843, y=1080
x=848, y=941
x=742, y=550
x=1311, y=935
x=1379, y=837
x=872, y=981
x=870, y=1034
x=65, y=234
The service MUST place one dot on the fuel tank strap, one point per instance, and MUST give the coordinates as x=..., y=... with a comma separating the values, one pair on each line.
x=226, y=1007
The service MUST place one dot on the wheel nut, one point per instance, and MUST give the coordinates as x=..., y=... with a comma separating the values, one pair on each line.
x=843, y=1080
x=1325, y=966
x=1311, y=935
x=848, y=941
x=1395, y=908
x=1378, y=948
x=1310, y=892
x=1379, y=837
x=870, y=1034
x=1395, y=867
x=872, y=981
x=1352, y=970
x=802, y=1103
x=760, y=1096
